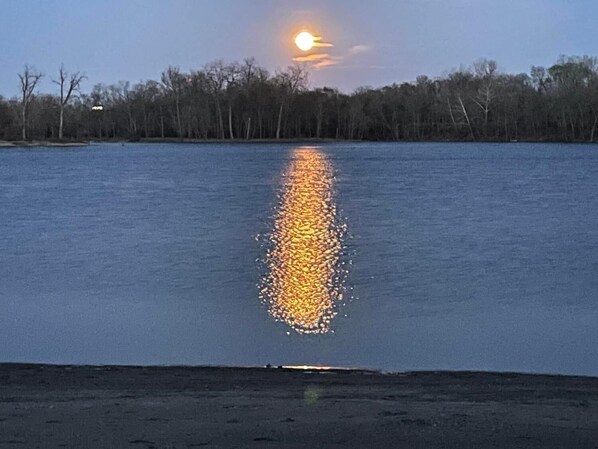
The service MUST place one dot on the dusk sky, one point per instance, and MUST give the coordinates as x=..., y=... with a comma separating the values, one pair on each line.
x=375, y=42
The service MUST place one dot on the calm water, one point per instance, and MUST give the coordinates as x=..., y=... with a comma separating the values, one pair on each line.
x=392, y=256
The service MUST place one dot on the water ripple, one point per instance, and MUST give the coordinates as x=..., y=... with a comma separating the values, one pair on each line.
x=305, y=277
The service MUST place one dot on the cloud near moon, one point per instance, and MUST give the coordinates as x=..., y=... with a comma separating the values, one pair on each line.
x=313, y=57
x=308, y=42
x=319, y=60
x=322, y=44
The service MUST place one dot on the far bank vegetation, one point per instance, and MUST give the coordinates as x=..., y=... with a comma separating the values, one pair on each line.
x=243, y=101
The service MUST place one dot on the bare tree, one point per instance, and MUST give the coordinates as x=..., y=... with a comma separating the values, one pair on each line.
x=174, y=83
x=458, y=85
x=231, y=101
x=290, y=81
x=485, y=70
x=466, y=116
x=68, y=85
x=233, y=74
x=217, y=75
x=29, y=79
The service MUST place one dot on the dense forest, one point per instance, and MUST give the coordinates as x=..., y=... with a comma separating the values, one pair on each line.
x=245, y=101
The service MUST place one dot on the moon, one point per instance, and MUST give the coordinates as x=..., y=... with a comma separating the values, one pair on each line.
x=304, y=41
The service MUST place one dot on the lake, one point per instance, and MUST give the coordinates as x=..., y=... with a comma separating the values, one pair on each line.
x=395, y=256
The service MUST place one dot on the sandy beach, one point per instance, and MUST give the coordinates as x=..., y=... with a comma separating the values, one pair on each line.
x=186, y=407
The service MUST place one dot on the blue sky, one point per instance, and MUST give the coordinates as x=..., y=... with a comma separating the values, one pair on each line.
x=375, y=42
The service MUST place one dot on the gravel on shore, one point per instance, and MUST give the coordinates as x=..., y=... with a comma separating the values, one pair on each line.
x=44, y=406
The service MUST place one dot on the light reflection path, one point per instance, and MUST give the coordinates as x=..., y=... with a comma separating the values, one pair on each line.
x=305, y=275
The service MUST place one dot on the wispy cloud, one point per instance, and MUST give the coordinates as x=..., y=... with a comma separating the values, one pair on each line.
x=312, y=57
x=318, y=42
x=357, y=49
x=331, y=61
x=319, y=60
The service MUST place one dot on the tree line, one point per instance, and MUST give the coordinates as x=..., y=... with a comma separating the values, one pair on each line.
x=244, y=101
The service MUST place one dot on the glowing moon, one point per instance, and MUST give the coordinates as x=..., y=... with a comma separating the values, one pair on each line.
x=304, y=41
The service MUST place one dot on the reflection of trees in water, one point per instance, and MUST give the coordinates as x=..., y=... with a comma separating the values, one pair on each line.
x=305, y=278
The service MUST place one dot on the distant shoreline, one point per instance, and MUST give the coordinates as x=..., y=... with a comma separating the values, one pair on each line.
x=313, y=140
x=68, y=144
x=41, y=143
x=322, y=369
x=177, y=406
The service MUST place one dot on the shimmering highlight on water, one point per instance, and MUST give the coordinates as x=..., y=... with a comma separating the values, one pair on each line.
x=305, y=277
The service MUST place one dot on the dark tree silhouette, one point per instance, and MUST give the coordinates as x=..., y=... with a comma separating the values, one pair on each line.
x=68, y=84
x=244, y=101
x=29, y=79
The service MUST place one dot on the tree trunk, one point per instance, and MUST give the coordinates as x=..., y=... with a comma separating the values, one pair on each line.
x=593, y=132
x=61, y=123
x=220, y=123
x=279, y=121
x=319, y=119
x=338, y=119
x=230, y=121
x=145, y=124
x=24, y=118
x=132, y=124
x=260, y=123
x=450, y=108
x=178, y=118
x=248, y=129
x=466, y=118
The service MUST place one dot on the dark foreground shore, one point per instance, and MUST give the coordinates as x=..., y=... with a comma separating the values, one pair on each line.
x=179, y=407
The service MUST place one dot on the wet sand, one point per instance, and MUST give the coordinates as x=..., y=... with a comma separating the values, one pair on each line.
x=189, y=407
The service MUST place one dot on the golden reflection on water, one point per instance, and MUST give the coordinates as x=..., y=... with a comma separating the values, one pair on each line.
x=305, y=276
